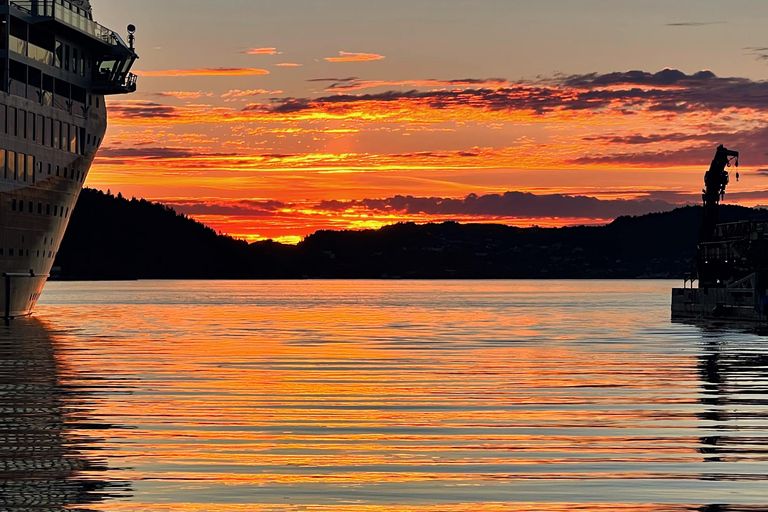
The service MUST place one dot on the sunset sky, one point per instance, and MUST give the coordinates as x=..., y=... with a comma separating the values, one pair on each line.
x=276, y=118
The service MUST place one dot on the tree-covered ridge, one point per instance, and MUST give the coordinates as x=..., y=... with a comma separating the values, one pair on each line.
x=115, y=238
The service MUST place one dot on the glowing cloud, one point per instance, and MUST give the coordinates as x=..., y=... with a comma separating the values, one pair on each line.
x=355, y=57
x=263, y=51
x=204, y=72
x=289, y=65
x=185, y=95
x=237, y=93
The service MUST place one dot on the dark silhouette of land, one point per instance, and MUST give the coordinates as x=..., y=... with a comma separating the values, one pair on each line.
x=114, y=238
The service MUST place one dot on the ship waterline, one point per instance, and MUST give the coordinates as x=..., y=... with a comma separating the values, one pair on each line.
x=58, y=65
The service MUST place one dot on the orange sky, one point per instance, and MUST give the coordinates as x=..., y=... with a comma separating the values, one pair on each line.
x=272, y=142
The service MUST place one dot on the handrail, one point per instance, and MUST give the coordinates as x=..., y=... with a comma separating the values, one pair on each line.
x=50, y=9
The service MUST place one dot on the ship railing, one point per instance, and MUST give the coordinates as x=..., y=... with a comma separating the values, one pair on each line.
x=122, y=83
x=71, y=15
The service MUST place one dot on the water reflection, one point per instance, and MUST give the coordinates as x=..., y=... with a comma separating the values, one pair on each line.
x=45, y=455
x=412, y=397
x=735, y=384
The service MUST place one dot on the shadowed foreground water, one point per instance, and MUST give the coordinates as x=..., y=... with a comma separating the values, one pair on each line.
x=378, y=396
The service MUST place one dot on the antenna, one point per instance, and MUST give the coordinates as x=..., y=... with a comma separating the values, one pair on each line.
x=131, y=36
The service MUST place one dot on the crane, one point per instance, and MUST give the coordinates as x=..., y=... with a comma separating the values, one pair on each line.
x=715, y=182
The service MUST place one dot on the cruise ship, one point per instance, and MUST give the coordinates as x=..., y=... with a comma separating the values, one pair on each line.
x=58, y=65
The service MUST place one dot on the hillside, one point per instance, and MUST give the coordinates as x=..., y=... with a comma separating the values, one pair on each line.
x=115, y=238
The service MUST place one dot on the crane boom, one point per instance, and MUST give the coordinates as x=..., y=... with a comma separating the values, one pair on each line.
x=715, y=182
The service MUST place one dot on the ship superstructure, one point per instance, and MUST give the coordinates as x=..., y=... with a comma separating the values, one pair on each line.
x=57, y=65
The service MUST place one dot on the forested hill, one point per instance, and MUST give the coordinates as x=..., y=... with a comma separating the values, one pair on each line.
x=115, y=238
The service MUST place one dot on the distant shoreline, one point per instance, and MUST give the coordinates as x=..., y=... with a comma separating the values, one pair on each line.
x=113, y=239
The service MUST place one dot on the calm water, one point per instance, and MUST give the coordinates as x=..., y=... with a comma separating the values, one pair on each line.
x=378, y=396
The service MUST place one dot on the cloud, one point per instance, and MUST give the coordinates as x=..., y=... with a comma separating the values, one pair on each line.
x=237, y=93
x=289, y=65
x=355, y=57
x=353, y=84
x=507, y=205
x=696, y=23
x=263, y=51
x=241, y=208
x=184, y=94
x=491, y=207
x=204, y=72
x=143, y=110
x=151, y=153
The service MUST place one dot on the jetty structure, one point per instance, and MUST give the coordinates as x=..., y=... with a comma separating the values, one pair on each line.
x=730, y=278
x=57, y=65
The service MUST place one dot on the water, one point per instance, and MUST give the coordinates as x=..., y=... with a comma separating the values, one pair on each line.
x=369, y=396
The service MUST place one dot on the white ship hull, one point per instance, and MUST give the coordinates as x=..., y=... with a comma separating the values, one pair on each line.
x=56, y=66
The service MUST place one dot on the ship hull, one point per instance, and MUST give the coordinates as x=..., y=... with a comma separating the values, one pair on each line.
x=35, y=206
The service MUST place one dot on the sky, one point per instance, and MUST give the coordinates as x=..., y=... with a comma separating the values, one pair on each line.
x=272, y=119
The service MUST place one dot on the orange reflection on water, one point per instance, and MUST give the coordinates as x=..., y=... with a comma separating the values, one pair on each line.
x=372, y=393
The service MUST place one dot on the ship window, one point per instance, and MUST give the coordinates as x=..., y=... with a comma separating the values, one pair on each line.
x=42, y=45
x=10, y=252
x=38, y=253
x=66, y=216
x=78, y=101
x=75, y=60
x=61, y=97
x=31, y=207
x=3, y=33
x=22, y=171
x=62, y=212
x=65, y=60
x=81, y=141
x=55, y=210
x=30, y=166
x=21, y=206
x=3, y=112
x=58, y=170
x=57, y=134
x=64, y=136
x=12, y=121
x=18, y=78
x=21, y=124
x=3, y=168
x=31, y=130
x=39, y=208
x=48, y=210
x=47, y=90
x=18, y=33
x=11, y=165
x=58, y=54
x=49, y=169
x=13, y=205
x=73, y=139
x=35, y=84
x=40, y=129
x=1, y=251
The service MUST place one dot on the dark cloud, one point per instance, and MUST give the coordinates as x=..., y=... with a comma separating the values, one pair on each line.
x=152, y=153
x=750, y=143
x=349, y=79
x=144, y=109
x=508, y=205
x=696, y=23
x=245, y=208
x=629, y=90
